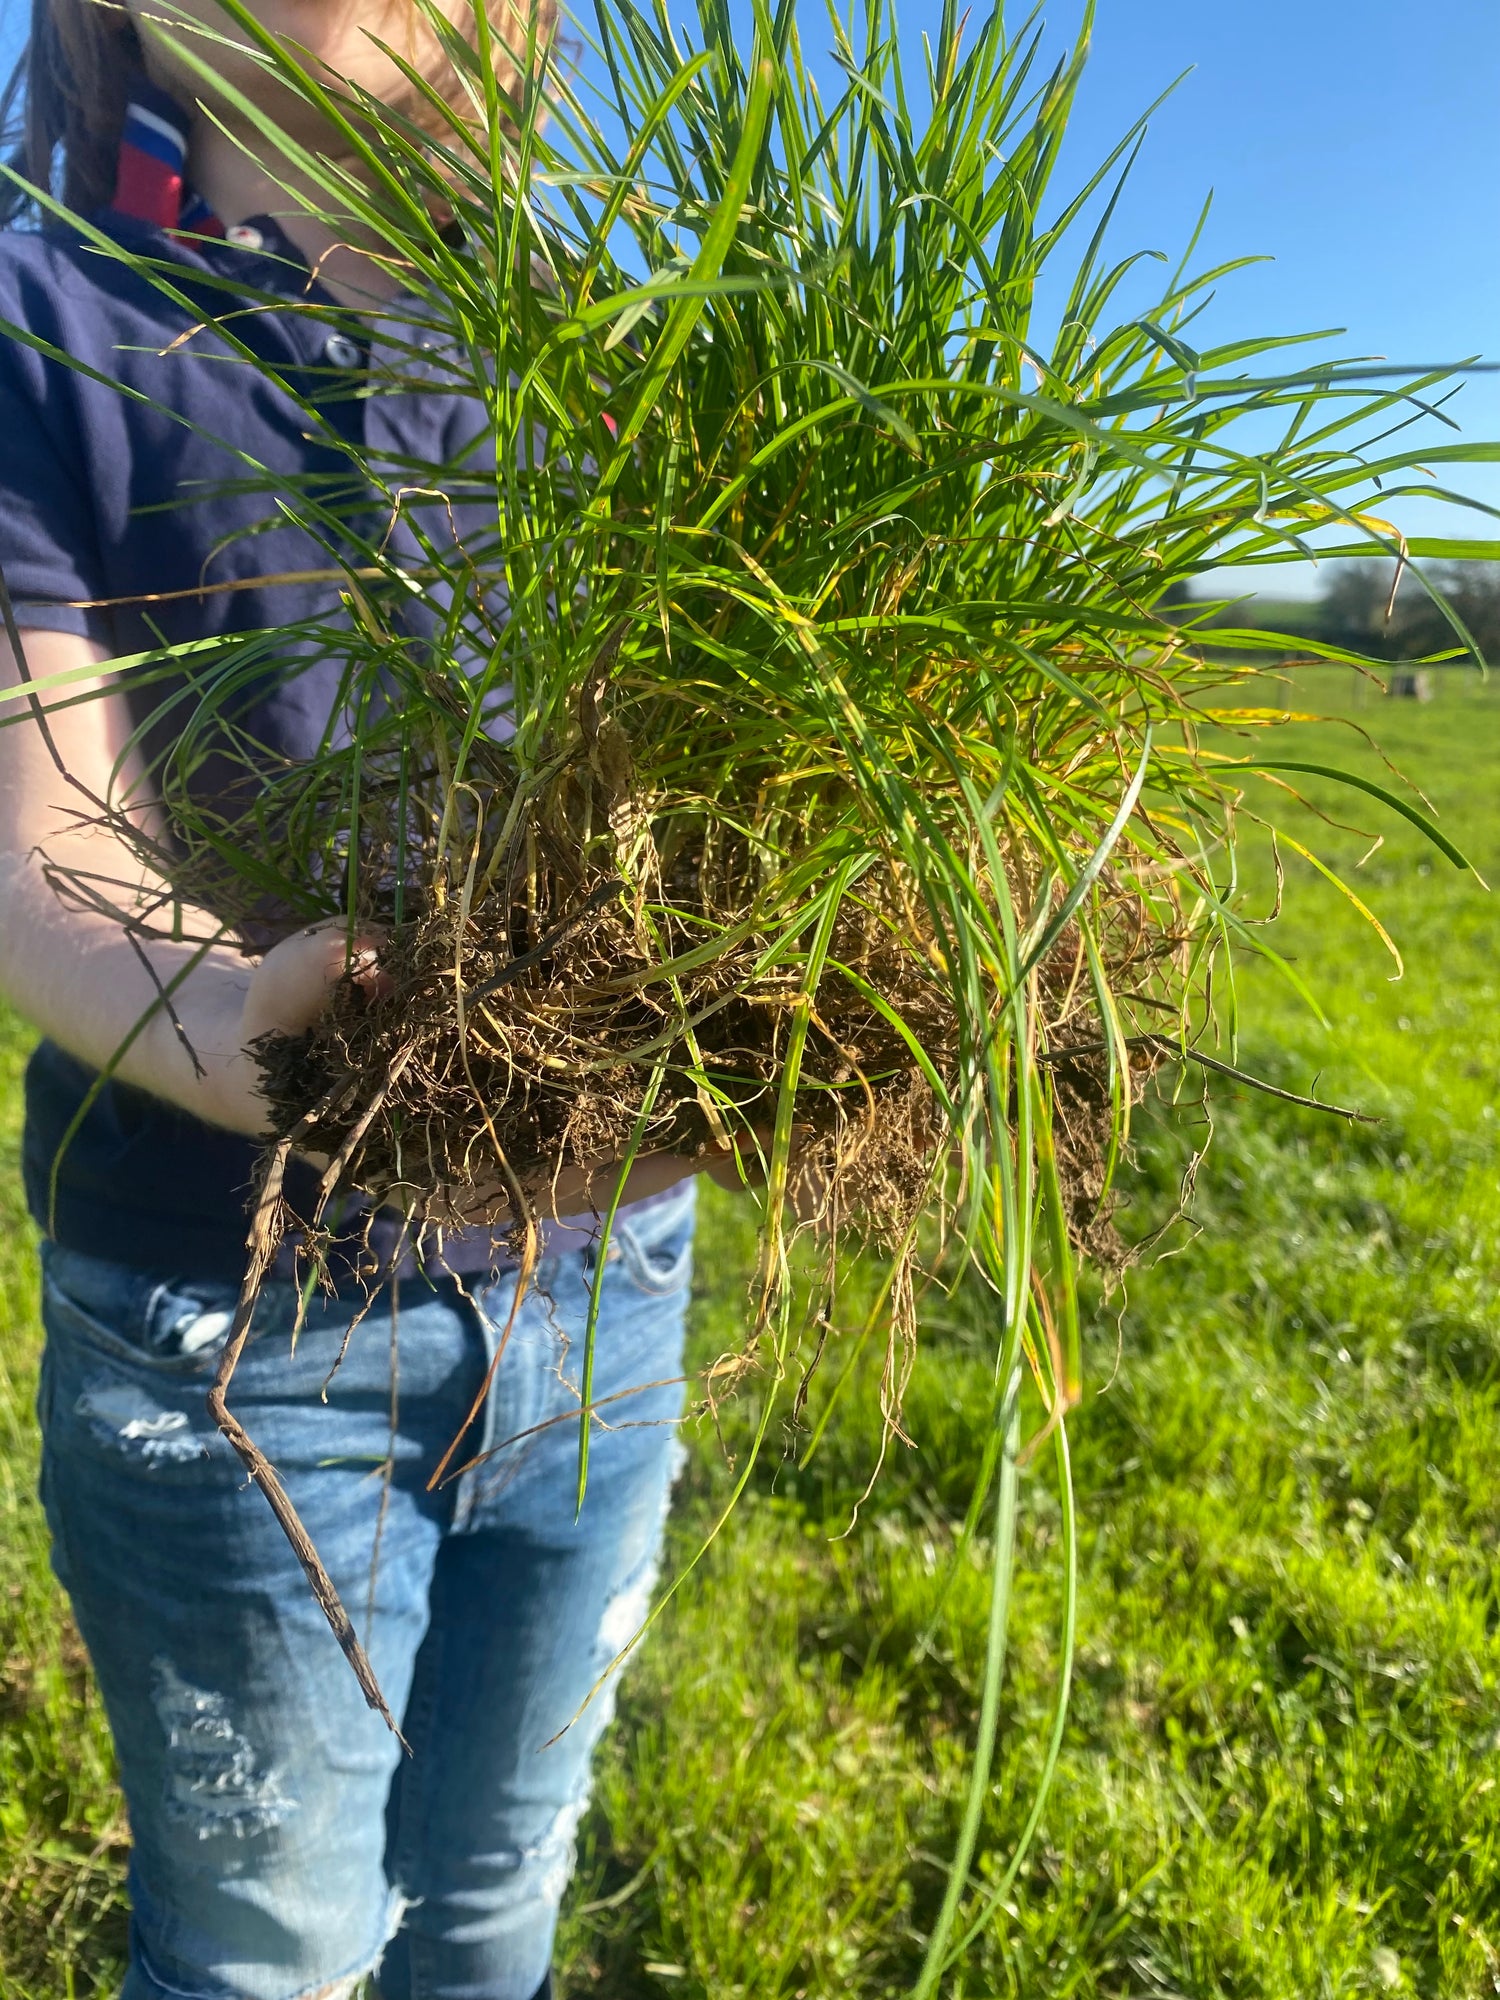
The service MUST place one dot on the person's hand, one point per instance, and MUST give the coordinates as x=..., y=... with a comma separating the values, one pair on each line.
x=743, y=1165
x=288, y=990
x=283, y=994
x=290, y=986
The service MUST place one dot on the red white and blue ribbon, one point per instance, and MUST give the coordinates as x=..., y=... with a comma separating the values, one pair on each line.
x=149, y=177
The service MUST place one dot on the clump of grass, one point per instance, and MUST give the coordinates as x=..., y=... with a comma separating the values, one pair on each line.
x=849, y=814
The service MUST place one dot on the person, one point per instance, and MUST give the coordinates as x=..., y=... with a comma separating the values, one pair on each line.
x=282, y=1843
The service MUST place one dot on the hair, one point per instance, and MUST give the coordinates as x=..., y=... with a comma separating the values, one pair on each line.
x=63, y=106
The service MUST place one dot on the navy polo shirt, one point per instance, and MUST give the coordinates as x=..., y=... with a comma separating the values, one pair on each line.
x=141, y=465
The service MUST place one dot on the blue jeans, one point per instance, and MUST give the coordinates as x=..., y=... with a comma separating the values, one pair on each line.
x=282, y=1843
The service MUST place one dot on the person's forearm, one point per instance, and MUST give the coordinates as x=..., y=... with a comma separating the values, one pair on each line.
x=76, y=975
x=86, y=976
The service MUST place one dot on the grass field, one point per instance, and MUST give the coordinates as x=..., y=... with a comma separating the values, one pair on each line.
x=1282, y=1772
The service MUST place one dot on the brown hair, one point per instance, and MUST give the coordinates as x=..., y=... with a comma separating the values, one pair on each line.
x=67, y=95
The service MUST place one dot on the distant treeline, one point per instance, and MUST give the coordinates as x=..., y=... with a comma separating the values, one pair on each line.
x=1356, y=610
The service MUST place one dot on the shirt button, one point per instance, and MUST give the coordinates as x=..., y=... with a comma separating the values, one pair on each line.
x=245, y=235
x=342, y=352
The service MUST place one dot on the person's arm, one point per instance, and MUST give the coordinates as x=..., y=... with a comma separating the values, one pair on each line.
x=74, y=972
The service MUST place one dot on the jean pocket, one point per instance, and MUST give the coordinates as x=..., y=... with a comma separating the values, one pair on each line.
x=172, y=1329
x=656, y=1248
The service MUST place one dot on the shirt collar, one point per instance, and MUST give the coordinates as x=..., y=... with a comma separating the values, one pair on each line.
x=151, y=188
x=149, y=177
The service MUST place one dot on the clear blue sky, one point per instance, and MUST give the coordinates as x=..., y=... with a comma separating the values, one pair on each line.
x=1357, y=142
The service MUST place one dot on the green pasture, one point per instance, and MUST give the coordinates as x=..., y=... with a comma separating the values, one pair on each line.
x=1281, y=1776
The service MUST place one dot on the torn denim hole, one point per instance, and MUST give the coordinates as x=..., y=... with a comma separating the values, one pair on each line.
x=126, y=1417
x=554, y=1854
x=200, y=1330
x=548, y=1860
x=627, y=1611
x=630, y=1606
x=184, y=1323
x=214, y=1779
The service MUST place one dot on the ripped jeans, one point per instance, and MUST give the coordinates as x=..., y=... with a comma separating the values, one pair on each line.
x=282, y=1845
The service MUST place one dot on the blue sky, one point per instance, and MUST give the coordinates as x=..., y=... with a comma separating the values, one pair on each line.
x=1355, y=142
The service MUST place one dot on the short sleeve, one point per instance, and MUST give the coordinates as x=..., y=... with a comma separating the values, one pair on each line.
x=48, y=533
